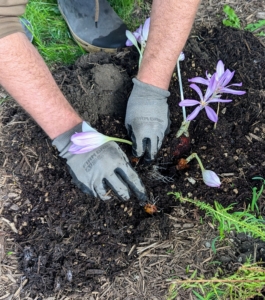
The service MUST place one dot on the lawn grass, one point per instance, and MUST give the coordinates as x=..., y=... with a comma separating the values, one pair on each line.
x=51, y=35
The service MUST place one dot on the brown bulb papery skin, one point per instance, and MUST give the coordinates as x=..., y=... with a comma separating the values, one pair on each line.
x=150, y=208
x=134, y=160
x=182, y=164
x=180, y=147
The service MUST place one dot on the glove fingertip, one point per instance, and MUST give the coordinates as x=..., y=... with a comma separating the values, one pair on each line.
x=136, y=153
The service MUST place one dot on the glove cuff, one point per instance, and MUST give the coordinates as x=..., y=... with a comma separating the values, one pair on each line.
x=62, y=142
x=150, y=88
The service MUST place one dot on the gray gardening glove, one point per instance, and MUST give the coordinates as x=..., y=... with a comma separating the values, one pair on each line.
x=147, y=118
x=104, y=168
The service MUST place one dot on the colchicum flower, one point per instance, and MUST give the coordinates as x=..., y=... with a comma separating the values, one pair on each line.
x=90, y=139
x=217, y=84
x=209, y=177
x=223, y=77
x=139, y=36
x=209, y=97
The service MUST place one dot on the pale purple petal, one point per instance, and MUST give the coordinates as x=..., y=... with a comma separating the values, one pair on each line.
x=211, y=114
x=75, y=149
x=194, y=114
x=128, y=43
x=130, y=36
x=220, y=68
x=226, y=78
x=79, y=150
x=93, y=138
x=137, y=36
x=211, y=87
x=210, y=178
x=189, y=102
x=208, y=75
x=219, y=100
x=145, y=30
x=199, y=80
x=230, y=91
x=197, y=89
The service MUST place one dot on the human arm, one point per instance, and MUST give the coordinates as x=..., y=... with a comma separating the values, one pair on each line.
x=25, y=76
x=171, y=22
x=170, y=25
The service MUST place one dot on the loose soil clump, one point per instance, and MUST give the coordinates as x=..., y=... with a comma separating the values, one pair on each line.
x=72, y=243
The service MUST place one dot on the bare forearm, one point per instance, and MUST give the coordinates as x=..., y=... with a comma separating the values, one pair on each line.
x=171, y=22
x=25, y=76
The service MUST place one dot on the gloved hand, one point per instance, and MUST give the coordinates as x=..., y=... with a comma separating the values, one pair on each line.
x=147, y=118
x=103, y=168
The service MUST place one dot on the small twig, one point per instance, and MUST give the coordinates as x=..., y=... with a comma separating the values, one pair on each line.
x=20, y=288
x=130, y=252
x=37, y=165
x=26, y=160
x=11, y=224
x=247, y=46
x=81, y=84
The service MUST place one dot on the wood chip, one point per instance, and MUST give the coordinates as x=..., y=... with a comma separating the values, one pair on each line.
x=255, y=137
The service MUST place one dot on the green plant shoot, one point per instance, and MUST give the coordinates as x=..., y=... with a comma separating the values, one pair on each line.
x=242, y=221
x=232, y=18
x=254, y=26
x=256, y=195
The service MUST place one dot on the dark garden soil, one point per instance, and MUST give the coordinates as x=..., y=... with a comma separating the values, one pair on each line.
x=69, y=242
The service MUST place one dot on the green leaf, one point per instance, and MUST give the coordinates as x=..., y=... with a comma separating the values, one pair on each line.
x=262, y=33
x=259, y=178
x=238, y=221
x=198, y=295
x=213, y=244
x=233, y=20
x=254, y=26
x=193, y=275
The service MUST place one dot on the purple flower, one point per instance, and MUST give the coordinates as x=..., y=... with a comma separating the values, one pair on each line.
x=90, y=139
x=208, y=98
x=140, y=34
x=210, y=178
x=223, y=77
x=87, y=141
x=136, y=35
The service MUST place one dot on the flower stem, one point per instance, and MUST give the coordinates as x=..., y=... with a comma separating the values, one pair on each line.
x=217, y=112
x=121, y=140
x=141, y=52
x=181, y=91
x=184, y=129
x=195, y=155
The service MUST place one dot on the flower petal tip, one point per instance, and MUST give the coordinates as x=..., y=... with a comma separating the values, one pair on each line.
x=211, y=179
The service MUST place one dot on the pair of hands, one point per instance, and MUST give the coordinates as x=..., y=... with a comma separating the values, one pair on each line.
x=107, y=167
